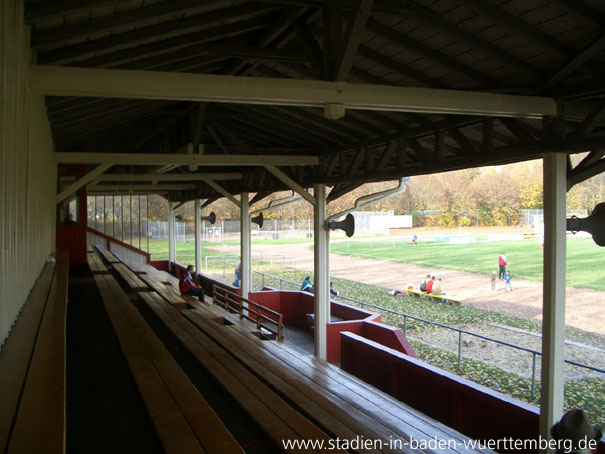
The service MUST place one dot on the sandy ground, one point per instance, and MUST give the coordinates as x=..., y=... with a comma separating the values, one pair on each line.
x=585, y=309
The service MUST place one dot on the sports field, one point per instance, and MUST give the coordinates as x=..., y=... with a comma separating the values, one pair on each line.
x=585, y=259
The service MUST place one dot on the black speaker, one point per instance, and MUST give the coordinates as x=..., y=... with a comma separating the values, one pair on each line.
x=348, y=225
x=258, y=220
x=593, y=224
x=211, y=218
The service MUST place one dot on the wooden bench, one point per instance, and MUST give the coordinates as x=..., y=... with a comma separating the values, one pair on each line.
x=130, y=277
x=95, y=264
x=274, y=416
x=108, y=256
x=32, y=368
x=448, y=299
x=328, y=396
x=137, y=268
x=183, y=419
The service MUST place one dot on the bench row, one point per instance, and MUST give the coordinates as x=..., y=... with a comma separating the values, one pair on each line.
x=32, y=368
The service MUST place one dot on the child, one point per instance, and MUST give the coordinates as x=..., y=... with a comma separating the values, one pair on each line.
x=238, y=275
x=188, y=287
x=507, y=285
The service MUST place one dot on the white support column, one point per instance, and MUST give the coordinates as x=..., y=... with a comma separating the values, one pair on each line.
x=322, y=271
x=171, y=234
x=198, y=234
x=553, y=324
x=245, y=245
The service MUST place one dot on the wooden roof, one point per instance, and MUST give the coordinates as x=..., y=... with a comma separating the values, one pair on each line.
x=550, y=48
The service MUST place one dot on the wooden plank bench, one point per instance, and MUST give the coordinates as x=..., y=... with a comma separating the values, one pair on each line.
x=183, y=419
x=168, y=287
x=274, y=416
x=130, y=277
x=380, y=416
x=95, y=264
x=32, y=368
x=108, y=256
x=448, y=299
x=137, y=268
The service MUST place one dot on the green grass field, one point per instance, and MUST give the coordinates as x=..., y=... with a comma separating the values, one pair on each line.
x=584, y=258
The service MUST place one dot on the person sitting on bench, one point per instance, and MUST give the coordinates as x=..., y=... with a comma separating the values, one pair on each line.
x=424, y=282
x=307, y=285
x=437, y=290
x=188, y=287
x=429, y=284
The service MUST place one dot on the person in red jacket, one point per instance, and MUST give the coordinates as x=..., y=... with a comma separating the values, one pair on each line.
x=502, y=264
x=429, y=284
x=188, y=287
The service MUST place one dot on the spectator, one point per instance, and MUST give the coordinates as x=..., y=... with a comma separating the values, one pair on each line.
x=502, y=265
x=429, y=284
x=238, y=275
x=493, y=281
x=424, y=282
x=332, y=291
x=437, y=289
x=575, y=434
x=307, y=285
x=188, y=287
x=507, y=285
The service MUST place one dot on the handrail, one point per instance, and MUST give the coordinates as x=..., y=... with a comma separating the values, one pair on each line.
x=534, y=353
x=258, y=310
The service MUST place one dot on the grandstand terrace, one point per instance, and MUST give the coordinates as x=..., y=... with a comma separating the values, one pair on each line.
x=240, y=99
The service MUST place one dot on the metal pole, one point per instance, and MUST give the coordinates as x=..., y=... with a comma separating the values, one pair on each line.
x=122, y=217
x=147, y=221
x=113, y=216
x=459, y=349
x=533, y=375
x=139, y=225
x=130, y=223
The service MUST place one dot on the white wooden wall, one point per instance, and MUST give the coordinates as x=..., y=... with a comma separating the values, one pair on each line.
x=27, y=171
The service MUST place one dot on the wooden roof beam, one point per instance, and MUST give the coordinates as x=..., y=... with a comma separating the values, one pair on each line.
x=355, y=27
x=70, y=81
x=183, y=159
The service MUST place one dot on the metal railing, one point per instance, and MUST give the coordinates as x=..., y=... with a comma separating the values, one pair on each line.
x=251, y=311
x=460, y=331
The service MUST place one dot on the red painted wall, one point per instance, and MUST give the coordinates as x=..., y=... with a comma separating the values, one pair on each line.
x=73, y=237
x=472, y=409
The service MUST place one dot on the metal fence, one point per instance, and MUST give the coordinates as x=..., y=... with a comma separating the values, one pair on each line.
x=460, y=332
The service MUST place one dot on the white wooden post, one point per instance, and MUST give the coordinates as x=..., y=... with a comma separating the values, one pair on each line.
x=245, y=245
x=171, y=235
x=322, y=271
x=198, y=234
x=553, y=324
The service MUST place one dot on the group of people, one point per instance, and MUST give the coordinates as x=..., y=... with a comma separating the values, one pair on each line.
x=431, y=284
x=504, y=273
x=307, y=286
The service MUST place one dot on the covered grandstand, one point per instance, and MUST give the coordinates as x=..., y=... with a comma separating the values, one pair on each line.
x=240, y=99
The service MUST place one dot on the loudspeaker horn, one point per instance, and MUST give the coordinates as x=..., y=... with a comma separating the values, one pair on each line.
x=211, y=218
x=593, y=224
x=348, y=225
x=258, y=220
